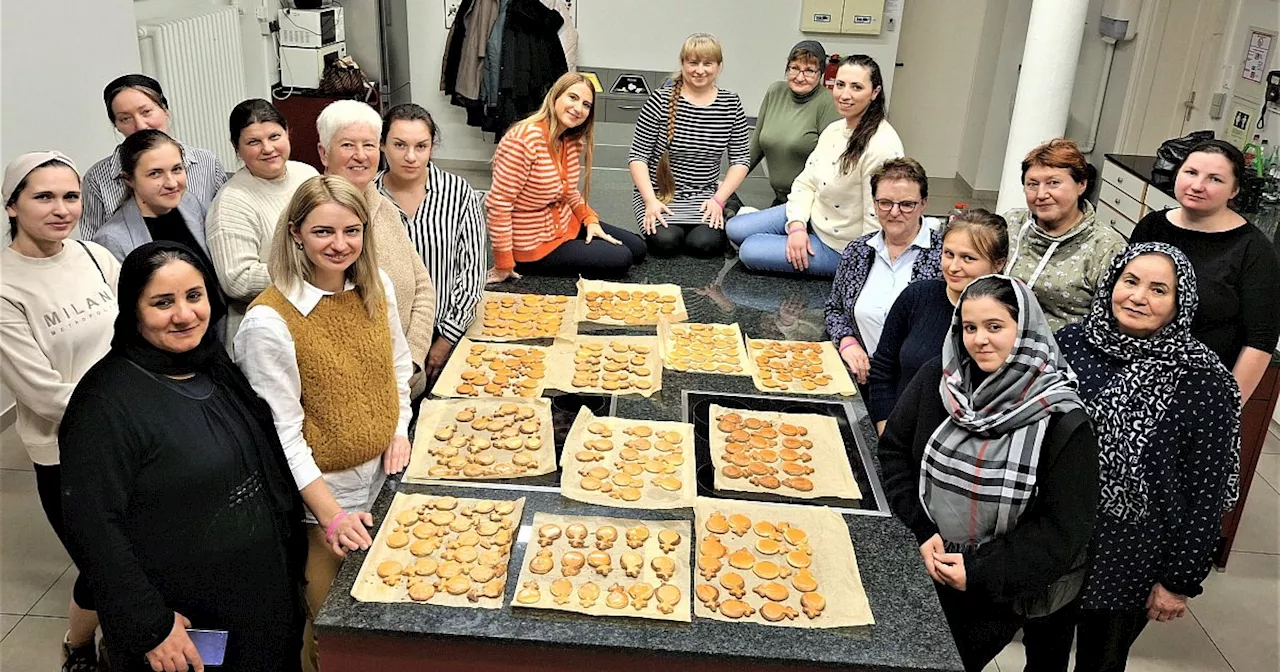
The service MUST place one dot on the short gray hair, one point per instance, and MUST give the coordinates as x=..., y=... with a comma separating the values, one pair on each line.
x=343, y=113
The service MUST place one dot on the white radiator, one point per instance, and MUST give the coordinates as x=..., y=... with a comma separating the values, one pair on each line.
x=198, y=60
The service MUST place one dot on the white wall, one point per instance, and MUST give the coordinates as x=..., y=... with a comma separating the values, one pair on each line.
x=645, y=34
x=1248, y=13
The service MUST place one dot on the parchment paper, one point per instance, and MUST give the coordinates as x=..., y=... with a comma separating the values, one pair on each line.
x=563, y=369
x=832, y=476
x=436, y=414
x=667, y=339
x=834, y=564
x=650, y=550
x=451, y=376
x=568, y=327
x=832, y=365
x=680, y=313
x=370, y=588
x=651, y=496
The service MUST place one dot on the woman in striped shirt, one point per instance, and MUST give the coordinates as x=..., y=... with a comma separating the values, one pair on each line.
x=445, y=222
x=539, y=222
x=681, y=135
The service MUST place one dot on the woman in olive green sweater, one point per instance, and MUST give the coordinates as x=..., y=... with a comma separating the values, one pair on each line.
x=792, y=116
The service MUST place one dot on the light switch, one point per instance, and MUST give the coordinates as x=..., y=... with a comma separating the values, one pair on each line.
x=821, y=16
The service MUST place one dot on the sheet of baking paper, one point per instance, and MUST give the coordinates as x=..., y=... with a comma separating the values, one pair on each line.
x=489, y=327
x=832, y=475
x=562, y=366
x=523, y=384
x=652, y=496
x=679, y=312
x=440, y=416
x=832, y=562
x=650, y=549
x=671, y=352
x=832, y=365
x=370, y=588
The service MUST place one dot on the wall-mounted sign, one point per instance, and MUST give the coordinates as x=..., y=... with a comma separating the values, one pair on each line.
x=1256, y=56
x=822, y=18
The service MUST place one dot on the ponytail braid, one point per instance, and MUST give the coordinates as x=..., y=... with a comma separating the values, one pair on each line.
x=666, y=181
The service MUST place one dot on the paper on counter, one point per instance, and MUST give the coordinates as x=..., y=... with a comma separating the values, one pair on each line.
x=527, y=379
x=832, y=366
x=563, y=366
x=832, y=562
x=730, y=361
x=652, y=496
x=665, y=295
x=437, y=415
x=832, y=475
x=498, y=323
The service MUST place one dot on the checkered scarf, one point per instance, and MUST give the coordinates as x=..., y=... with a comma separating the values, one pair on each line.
x=979, y=469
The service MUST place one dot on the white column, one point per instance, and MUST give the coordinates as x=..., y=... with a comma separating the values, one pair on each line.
x=1044, y=88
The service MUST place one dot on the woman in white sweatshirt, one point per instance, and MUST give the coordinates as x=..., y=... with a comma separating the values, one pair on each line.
x=56, y=316
x=243, y=217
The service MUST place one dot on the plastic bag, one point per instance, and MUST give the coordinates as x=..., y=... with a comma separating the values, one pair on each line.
x=1171, y=155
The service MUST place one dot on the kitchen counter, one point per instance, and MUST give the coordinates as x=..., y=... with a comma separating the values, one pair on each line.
x=910, y=631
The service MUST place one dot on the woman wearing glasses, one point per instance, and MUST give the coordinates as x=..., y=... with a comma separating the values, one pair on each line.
x=876, y=267
x=830, y=201
x=791, y=118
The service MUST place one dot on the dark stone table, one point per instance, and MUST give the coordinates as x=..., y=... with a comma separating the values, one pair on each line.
x=910, y=632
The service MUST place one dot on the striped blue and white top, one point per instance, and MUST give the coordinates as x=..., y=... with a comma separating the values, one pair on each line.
x=103, y=191
x=449, y=232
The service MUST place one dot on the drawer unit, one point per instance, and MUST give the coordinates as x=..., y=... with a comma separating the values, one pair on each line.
x=1122, y=202
x=1158, y=200
x=617, y=109
x=1111, y=217
x=1123, y=180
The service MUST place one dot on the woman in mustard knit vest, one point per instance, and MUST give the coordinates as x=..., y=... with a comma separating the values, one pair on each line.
x=323, y=346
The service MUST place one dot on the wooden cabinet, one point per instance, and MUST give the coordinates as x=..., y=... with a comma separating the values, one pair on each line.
x=1253, y=432
x=1126, y=195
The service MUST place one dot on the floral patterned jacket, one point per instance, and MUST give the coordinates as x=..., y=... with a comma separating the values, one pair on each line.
x=851, y=277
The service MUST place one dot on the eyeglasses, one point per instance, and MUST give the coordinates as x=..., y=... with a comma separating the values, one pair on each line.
x=809, y=73
x=907, y=207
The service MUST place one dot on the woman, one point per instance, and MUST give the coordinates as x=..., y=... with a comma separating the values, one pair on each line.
x=324, y=347
x=40, y=363
x=989, y=459
x=1167, y=416
x=348, y=133
x=974, y=244
x=539, y=222
x=159, y=205
x=876, y=267
x=792, y=116
x=833, y=194
x=136, y=103
x=243, y=217
x=1236, y=268
x=445, y=222
x=178, y=504
x=1059, y=249
x=682, y=134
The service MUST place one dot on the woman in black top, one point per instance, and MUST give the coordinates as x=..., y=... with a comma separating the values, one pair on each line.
x=1236, y=269
x=179, y=504
x=989, y=459
x=1167, y=416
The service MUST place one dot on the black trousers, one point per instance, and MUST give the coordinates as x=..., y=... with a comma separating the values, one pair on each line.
x=698, y=240
x=1103, y=639
x=598, y=260
x=49, y=487
x=982, y=629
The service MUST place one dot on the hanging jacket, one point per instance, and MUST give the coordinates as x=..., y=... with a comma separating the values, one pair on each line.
x=453, y=49
x=471, y=64
x=532, y=60
x=568, y=34
x=493, y=58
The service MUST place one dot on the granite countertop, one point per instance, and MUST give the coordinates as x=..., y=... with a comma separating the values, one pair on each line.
x=910, y=631
x=1140, y=165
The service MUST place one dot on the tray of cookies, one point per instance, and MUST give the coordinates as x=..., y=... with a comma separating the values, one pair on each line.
x=629, y=304
x=704, y=348
x=776, y=564
x=607, y=567
x=503, y=316
x=482, y=439
x=643, y=464
x=448, y=551
x=607, y=365
x=792, y=454
x=800, y=367
x=490, y=370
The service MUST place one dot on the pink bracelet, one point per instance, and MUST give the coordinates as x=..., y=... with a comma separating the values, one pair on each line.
x=846, y=346
x=717, y=200
x=799, y=229
x=328, y=533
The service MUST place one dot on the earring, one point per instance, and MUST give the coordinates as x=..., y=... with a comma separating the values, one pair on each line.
x=298, y=244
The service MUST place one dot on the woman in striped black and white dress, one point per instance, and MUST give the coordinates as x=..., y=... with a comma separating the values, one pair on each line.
x=445, y=222
x=681, y=136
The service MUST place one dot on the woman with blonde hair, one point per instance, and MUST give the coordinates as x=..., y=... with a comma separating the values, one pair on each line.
x=682, y=134
x=539, y=221
x=323, y=346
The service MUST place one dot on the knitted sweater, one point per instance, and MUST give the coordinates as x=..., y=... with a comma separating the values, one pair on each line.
x=839, y=205
x=534, y=204
x=342, y=354
x=787, y=130
x=415, y=293
x=239, y=229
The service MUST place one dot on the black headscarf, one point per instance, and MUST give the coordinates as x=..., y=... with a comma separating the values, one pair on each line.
x=211, y=359
x=816, y=50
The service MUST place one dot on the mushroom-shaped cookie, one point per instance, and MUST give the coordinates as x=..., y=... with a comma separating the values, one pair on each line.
x=640, y=593
x=605, y=536
x=576, y=533
x=668, y=596
x=632, y=563
x=739, y=524
x=601, y=562
x=736, y=609
x=561, y=590
x=636, y=536
x=571, y=563
x=663, y=567
x=708, y=566
x=734, y=583
x=668, y=540
x=774, y=612
x=588, y=593
x=708, y=595
x=813, y=604
x=772, y=591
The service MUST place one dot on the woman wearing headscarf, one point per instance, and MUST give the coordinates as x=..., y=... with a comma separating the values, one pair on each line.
x=989, y=459
x=1167, y=416
x=178, y=502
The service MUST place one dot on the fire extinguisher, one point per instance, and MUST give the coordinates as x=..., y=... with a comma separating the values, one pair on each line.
x=829, y=76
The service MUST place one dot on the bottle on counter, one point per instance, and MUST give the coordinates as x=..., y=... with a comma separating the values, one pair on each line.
x=1251, y=151
x=957, y=210
x=1265, y=158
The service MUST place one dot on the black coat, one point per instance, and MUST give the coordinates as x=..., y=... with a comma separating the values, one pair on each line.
x=532, y=60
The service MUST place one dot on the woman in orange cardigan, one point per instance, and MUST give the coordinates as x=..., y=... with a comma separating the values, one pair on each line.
x=539, y=222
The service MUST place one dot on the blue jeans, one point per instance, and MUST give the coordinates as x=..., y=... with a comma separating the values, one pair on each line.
x=761, y=238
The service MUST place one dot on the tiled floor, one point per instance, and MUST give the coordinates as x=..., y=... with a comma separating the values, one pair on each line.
x=1234, y=626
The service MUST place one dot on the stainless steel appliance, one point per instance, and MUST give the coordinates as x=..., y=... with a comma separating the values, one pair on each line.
x=377, y=33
